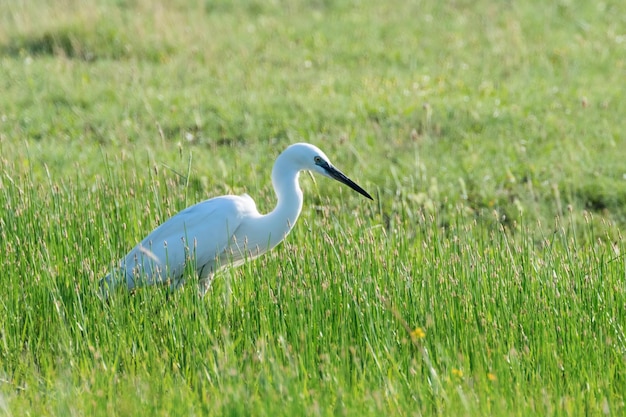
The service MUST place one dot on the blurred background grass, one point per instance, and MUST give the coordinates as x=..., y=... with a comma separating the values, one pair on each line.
x=492, y=106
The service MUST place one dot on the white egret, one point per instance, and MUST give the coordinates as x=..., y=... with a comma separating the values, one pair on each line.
x=223, y=231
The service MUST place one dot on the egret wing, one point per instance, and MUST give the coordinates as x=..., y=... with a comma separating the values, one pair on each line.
x=199, y=234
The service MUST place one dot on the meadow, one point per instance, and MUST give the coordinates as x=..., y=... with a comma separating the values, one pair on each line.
x=488, y=277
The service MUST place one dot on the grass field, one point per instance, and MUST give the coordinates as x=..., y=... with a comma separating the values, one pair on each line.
x=488, y=277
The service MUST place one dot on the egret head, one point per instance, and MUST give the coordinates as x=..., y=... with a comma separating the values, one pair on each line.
x=314, y=160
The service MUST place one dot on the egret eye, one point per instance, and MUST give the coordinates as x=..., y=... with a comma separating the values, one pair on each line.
x=317, y=160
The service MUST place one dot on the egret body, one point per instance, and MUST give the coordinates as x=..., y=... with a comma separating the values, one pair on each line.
x=223, y=231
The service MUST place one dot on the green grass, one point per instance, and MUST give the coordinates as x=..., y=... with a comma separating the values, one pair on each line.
x=490, y=133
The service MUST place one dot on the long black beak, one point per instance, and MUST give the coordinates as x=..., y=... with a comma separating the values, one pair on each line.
x=339, y=176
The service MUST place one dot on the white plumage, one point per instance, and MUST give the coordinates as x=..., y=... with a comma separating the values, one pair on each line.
x=223, y=231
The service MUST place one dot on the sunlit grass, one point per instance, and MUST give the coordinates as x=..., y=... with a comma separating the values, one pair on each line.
x=486, y=279
x=444, y=319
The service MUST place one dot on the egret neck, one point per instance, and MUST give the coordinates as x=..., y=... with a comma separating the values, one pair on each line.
x=281, y=220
